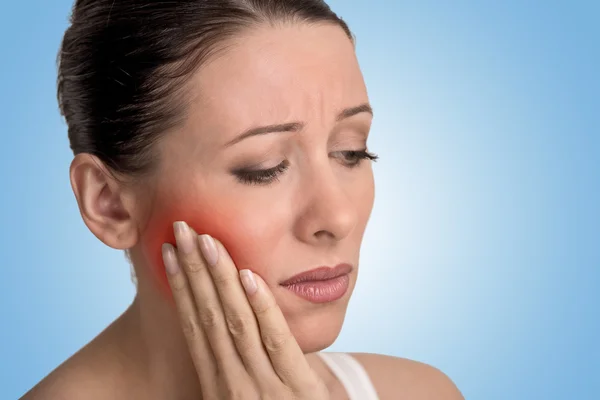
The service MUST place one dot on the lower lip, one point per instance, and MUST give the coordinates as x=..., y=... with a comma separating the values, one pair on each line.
x=321, y=291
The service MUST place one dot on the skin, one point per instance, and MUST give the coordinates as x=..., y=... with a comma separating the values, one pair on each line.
x=253, y=354
x=321, y=207
x=313, y=215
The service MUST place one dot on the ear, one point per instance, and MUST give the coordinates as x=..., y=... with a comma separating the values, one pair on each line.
x=106, y=205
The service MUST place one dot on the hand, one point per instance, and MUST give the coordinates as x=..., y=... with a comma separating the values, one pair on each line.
x=239, y=340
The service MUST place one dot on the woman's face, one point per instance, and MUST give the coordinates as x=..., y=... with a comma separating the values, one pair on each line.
x=310, y=204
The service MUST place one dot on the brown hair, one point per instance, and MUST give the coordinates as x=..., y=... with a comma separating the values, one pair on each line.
x=123, y=64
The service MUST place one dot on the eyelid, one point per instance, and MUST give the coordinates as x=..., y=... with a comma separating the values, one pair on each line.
x=345, y=137
x=349, y=144
x=255, y=167
x=261, y=176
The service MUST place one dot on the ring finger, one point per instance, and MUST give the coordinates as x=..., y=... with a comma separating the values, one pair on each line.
x=198, y=344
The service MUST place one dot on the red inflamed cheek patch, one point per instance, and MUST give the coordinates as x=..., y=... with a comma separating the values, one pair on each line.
x=160, y=230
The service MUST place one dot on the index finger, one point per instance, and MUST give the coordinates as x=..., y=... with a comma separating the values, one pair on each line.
x=286, y=356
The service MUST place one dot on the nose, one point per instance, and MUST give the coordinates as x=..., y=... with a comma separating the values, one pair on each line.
x=328, y=215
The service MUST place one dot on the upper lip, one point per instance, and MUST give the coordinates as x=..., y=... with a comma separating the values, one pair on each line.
x=319, y=274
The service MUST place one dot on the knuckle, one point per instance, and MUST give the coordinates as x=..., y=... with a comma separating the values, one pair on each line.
x=239, y=325
x=265, y=308
x=276, y=342
x=240, y=392
x=277, y=392
x=236, y=384
x=178, y=284
x=193, y=265
x=224, y=280
x=191, y=329
x=210, y=316
x=313, y=387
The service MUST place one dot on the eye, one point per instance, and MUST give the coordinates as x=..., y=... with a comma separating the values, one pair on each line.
x=260, y=176
x=352, y=158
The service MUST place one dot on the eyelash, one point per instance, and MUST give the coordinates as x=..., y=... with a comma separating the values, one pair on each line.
x=268, y=176
x=262, y=176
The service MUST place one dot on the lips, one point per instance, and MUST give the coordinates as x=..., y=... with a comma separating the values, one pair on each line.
x=320, y=285
x=319, y=274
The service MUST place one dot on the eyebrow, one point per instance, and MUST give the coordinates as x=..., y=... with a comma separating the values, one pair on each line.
x=297, y=126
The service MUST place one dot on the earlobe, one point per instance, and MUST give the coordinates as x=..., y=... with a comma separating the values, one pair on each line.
x=104, y=203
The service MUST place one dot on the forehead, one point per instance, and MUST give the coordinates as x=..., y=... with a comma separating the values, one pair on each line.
x=274, y=74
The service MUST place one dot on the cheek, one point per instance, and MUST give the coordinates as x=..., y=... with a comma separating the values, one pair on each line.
x=366, y=197
x=245, y=238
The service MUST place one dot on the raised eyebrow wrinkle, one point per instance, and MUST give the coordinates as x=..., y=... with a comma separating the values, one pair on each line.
x=261, y=130
x=297, y=126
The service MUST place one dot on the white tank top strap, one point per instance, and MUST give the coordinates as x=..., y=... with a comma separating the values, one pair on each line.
x=351, y=374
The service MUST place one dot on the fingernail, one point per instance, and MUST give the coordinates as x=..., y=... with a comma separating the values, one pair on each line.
x=183, y=236
x=248, y=281
x=209, y=249
x=169, y=259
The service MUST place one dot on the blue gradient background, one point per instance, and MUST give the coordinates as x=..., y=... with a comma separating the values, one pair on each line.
x=482, y=256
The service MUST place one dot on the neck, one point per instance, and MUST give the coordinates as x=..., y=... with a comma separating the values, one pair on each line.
x=157, y=349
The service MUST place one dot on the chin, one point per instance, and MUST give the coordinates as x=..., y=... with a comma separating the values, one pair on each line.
x=318, y=329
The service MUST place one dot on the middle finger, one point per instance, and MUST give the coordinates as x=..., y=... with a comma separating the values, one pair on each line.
x=207, y=301
x=239, y=316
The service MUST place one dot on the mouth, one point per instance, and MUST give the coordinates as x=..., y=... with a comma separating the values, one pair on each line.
x=320, y=285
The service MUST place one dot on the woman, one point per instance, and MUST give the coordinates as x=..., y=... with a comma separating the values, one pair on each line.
x=212, y=137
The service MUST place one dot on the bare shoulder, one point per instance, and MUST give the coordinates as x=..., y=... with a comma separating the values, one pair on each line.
x=396, y=378
x=94, y=372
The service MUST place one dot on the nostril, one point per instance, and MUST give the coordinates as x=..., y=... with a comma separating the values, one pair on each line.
x=324, y=233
